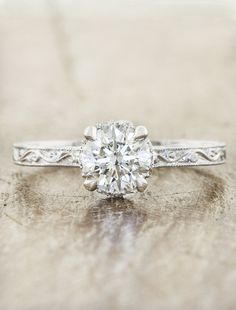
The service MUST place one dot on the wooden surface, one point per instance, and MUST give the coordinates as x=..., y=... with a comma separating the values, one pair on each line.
x=68, y=64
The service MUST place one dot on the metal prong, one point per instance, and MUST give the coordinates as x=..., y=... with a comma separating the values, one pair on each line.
x=90, y=133
x=141, y=132
x=141, y=184
x=90, y=184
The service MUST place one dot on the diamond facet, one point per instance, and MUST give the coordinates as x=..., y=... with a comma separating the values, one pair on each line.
x=117, y=159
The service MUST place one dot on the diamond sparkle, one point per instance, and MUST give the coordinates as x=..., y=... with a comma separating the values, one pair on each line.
x=116, y=159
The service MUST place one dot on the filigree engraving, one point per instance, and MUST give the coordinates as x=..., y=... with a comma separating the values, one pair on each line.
x=188, y=157
x=47, y=157
x=164, y=155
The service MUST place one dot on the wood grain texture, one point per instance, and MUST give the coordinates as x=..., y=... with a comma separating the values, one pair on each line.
x=65, y=65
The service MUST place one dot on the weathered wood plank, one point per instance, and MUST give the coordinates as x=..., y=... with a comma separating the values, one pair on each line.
x=64, y=67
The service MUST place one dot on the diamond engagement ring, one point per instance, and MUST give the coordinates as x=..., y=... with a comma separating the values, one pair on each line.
x=116, y=157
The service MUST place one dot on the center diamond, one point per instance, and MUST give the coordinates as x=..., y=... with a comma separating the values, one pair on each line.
x=116, y=158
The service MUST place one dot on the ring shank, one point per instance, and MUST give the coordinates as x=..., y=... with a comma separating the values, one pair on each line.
x=47, y=153
x=178, y=153
x=167, y=153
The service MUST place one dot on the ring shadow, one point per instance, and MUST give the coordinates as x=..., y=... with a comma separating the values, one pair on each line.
x=134, y=211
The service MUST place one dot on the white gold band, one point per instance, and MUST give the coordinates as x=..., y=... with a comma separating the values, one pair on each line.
x=167, y=153
x=177, y=153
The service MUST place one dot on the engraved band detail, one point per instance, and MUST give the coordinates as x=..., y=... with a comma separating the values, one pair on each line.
x=189, y=153
x=169, y=153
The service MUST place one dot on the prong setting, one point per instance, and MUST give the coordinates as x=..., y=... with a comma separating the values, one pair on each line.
x=90, y=133
x=141, y=133
x=119, y=160
x=90, y=184
x=141, y=184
